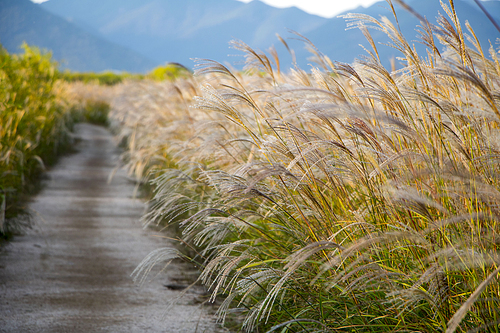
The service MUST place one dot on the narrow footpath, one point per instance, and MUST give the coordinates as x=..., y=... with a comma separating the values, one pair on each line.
x=71, y=271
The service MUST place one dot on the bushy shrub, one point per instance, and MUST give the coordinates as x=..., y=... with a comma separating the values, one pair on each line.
x=170, y=71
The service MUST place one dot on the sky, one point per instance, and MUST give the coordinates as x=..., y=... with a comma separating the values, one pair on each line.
x=325, y=8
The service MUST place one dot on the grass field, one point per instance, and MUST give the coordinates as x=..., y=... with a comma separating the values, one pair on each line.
x=349, y=198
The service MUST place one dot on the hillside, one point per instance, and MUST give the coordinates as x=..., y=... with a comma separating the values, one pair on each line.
x=76, y=48
x=136, y=35
x=330, y=44
x=178, y=31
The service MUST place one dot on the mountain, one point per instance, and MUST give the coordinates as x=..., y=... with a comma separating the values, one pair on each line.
x=76, y=48
x=97, y=34
x=330, y=43
x=175, y=31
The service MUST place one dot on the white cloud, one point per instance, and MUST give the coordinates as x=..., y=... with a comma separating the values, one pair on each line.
x=323, y=8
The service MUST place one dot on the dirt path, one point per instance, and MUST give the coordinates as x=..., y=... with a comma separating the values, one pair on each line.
x=71, y=272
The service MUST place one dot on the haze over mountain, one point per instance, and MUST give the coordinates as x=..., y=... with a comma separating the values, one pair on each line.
x=172, y=30
x=22, y=20
x=176, y=31
x=343, y=46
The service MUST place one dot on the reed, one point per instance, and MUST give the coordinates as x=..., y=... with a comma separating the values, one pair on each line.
x=349, y=198
x=34, y=126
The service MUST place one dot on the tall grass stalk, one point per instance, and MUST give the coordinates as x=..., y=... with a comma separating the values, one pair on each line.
x=349, y=198
x=34, y=125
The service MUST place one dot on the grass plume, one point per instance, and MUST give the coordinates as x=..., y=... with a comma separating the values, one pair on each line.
x=351, y=198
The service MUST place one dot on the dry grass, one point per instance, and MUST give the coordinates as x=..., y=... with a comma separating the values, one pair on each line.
x=348, y=198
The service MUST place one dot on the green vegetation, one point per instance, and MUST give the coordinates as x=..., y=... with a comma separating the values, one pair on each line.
x=94, y=111
x=348, y=199
x=104, y=78
x=33, y=125
x=170, y=71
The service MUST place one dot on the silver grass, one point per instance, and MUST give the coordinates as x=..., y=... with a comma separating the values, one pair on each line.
x=351, y=182
x=163, y=255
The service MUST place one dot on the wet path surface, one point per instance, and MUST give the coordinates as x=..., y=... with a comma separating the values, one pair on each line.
x=71, y=272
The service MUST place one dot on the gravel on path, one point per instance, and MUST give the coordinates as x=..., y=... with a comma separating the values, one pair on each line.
x=71, y=271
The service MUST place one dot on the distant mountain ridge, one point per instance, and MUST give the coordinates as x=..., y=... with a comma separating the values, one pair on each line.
x=173, y=30
x=176, y=31
x=466, y=10
x=22, y=20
